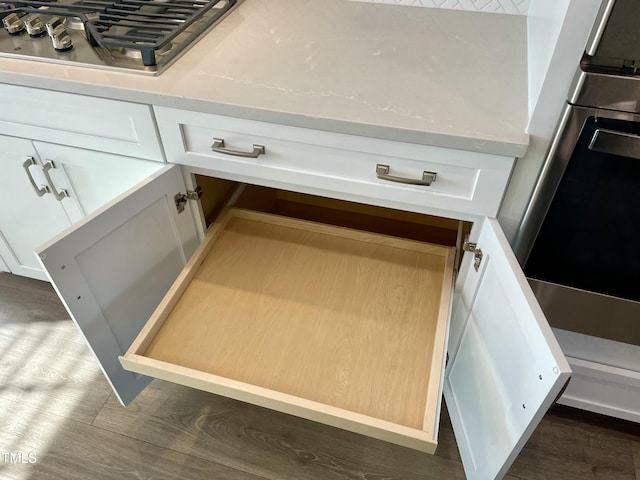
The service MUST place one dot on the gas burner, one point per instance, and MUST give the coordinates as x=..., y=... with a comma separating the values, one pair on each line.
x=142, y=35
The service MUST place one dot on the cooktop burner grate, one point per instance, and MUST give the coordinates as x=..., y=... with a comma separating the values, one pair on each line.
x=148, y=27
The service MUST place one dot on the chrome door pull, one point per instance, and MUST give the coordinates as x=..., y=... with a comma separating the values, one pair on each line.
x=382, y=171
x=58, y=194
x=40, y=191
x=218, y=146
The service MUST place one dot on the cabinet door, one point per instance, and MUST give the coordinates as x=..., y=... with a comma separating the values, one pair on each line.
x=26, y=219
x=505, y=366
x=92, y=178
x=113, y=268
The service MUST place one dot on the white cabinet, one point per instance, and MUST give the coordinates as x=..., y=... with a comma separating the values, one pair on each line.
x=109, y=146
x=92, y=177
x=114, y=268
x=88, y=122
x=29, y=213
x=73, y=182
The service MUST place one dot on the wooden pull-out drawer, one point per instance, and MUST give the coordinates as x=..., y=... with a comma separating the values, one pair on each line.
x=336, y=325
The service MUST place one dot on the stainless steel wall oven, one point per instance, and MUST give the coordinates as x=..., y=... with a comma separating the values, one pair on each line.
x=579, y=236
x=584, y=265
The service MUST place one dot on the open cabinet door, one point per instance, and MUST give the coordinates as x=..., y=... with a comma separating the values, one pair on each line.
x=505, y=366
x=113, y=268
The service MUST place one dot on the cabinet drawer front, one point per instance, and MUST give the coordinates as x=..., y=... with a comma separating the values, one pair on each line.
x=77, y=120
x=337, y=165
x=339, y=326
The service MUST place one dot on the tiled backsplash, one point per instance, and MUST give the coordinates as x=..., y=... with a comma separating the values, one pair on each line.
x=518, y=7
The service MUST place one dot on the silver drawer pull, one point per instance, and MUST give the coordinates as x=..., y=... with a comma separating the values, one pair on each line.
x=218, y=146
x=40, y=191
x=382, y=171
x=58, y=194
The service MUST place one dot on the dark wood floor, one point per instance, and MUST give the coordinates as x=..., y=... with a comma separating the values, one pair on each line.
x=59, y=420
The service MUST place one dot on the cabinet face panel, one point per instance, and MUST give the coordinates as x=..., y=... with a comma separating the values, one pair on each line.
x=337, y=165
x=26, y=220
x=99, y=124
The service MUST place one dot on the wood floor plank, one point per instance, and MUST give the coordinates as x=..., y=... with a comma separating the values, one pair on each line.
x=23, y=300
x=47, y=367
x=594, y=422
x=635, y=450
x=563, y=447
x=65, y=449
x=45, y=364
x=28, y=286
x=266, y=443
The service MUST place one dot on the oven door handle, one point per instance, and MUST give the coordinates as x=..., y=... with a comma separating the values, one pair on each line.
x=616, y=143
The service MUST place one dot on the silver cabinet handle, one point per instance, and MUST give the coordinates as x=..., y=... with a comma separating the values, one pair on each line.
x=40, y=191
x=218, y=146
x=58, y=194
x=382, y=171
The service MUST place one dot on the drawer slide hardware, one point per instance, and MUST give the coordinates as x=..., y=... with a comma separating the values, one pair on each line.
x=382, y=172
x=219, y=147
x=181, y=199
x=477, y=253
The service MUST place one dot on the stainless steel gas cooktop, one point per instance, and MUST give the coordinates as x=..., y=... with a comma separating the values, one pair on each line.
x=143, y=36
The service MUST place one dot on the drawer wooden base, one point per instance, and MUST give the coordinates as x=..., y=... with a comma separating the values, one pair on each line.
x=336, y=325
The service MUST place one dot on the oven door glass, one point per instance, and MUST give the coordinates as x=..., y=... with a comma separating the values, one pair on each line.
x=588, y=238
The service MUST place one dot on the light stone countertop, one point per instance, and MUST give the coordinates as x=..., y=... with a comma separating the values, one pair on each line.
x=439, y=77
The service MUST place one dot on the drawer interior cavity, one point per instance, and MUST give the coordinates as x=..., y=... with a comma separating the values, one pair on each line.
x=328, y=310
x=388, y=221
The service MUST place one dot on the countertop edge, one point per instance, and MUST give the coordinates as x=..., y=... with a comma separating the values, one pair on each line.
x=516, y=148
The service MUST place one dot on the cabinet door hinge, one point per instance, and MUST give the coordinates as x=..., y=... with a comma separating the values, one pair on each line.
x=477, y=253
x=181, y=198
